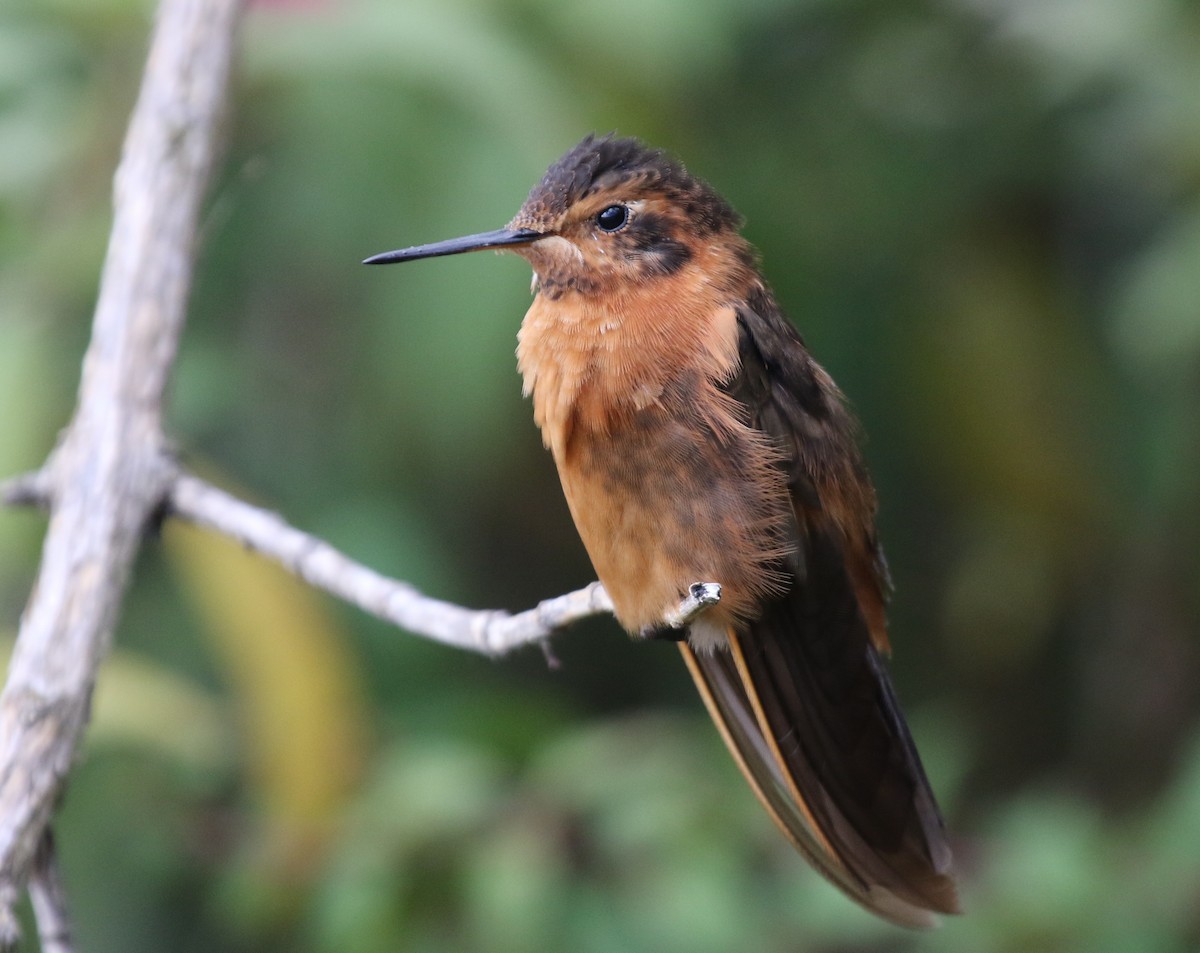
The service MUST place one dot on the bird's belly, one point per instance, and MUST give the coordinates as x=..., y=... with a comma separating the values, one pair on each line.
x=662, y=502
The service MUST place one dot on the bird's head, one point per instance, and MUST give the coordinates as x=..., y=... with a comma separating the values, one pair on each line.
x=609, y=212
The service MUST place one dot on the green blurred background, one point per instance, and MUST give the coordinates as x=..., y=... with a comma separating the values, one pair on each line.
x=985, y=217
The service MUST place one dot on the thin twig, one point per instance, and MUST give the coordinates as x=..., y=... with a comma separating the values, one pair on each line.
x=49, y=899
x=492, y=632
x=27, y=489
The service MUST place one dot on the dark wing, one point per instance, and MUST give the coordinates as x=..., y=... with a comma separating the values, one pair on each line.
x=801, y=696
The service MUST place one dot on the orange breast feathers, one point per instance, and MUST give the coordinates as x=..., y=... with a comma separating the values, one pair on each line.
x=666, y=482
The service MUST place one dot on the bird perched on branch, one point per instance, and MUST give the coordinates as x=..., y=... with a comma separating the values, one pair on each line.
x=713, y=473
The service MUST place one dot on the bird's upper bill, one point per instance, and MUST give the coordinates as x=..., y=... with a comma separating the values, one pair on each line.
x=500, y=238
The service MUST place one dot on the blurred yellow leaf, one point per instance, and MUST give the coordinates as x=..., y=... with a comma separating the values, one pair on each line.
x=297, y=686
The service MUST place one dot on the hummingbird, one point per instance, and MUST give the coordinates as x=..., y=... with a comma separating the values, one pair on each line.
x=703, y=452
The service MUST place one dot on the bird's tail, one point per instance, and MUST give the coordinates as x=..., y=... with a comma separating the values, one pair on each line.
x=807, y=710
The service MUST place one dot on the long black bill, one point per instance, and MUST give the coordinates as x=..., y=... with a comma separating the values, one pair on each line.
x=500, y=238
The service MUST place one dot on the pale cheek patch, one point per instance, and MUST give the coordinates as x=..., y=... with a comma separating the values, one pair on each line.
x=555, y=250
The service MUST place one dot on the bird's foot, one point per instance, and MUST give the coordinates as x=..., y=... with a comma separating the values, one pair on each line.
x=674, y=627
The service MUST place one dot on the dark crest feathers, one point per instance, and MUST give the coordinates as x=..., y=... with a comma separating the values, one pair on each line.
x=608, y=162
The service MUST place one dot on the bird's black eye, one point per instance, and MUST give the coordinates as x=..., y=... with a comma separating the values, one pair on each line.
x=613, y=218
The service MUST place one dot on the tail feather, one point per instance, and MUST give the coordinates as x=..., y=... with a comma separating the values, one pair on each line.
x=805, y=705
x=728, y=705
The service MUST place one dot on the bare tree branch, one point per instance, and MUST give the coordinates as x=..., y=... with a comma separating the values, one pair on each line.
x=110, y=472
x=492, y=632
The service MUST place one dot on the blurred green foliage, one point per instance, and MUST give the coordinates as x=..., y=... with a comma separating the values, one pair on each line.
x=985, y=217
